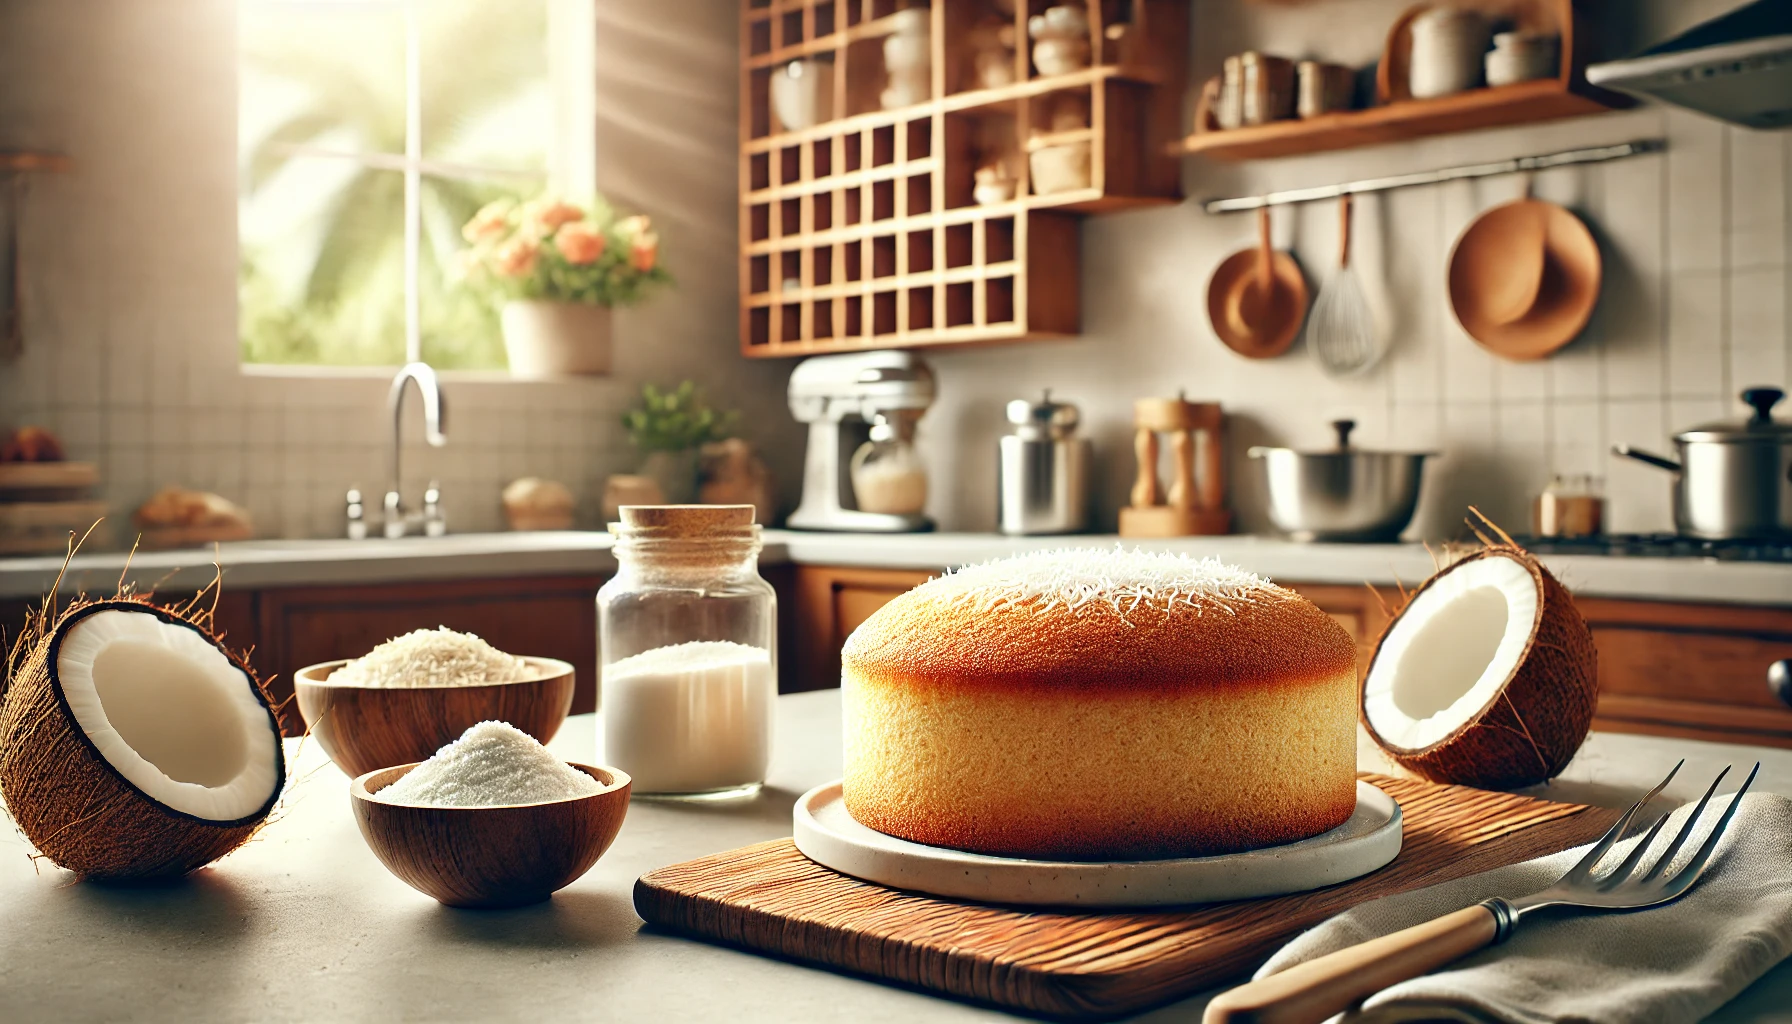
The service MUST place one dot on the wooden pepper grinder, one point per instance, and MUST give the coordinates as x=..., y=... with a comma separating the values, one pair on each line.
x=1196, y=502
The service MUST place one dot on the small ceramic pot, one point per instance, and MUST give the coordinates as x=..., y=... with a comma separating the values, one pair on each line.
x=1521, y=57
x=1447, y=49
x=802, y=93
x=1060, y=168
x=553, y=339
x=1060, y=40
x=993, y=189
x=908, y=61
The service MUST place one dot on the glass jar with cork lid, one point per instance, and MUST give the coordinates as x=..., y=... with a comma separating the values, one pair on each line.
x=687, y=652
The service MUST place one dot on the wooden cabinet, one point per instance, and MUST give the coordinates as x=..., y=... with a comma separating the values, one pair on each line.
x=1697, y=671
x=827, y=604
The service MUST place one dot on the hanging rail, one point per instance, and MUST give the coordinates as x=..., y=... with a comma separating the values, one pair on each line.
x=1591, y=155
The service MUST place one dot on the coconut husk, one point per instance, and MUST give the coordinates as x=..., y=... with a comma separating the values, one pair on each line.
x=72, y=805
x=1532, y=730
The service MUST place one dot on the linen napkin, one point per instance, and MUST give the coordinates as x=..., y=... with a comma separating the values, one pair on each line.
x=1676, y=962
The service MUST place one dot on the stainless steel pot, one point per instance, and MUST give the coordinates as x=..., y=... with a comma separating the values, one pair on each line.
x=1346, y=494
x=1732, y=480
x=1042, y=479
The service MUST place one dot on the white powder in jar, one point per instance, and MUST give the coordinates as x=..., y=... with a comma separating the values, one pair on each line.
x=690, y=718
x=432, y=657
x=493, y=764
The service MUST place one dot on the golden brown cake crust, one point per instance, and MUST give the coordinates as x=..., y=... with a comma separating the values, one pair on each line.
x=1100, y=705
x=935, y=635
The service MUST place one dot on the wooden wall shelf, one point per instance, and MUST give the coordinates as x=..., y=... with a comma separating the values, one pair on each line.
x=1401, y=118
x=862, y=231
x=1520, y=103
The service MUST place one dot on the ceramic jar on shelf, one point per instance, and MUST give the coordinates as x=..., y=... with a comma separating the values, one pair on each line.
x=802, y=93
x=908, y=60
x=1447, y=48
x=1523, y=56
x=1060, y=40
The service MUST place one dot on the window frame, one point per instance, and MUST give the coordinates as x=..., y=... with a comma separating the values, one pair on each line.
x=571, y=171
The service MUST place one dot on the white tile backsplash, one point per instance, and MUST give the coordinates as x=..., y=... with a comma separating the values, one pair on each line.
x=1696, y=335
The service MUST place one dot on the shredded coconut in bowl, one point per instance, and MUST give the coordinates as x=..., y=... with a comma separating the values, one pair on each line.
x=432, y=657
x=493, y=764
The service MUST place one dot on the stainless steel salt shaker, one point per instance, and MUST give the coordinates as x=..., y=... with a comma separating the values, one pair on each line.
x=1042, y=477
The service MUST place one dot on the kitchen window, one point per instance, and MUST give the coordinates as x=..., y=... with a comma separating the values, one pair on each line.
x=368, y=132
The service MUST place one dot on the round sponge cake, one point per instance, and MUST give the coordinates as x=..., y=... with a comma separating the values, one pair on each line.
x=1100, y=705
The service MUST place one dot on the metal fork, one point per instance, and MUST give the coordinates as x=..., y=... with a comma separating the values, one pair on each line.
x=1320, y=988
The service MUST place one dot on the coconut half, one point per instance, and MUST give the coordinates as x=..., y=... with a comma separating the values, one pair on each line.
x=133, y=744
x=1488, y=677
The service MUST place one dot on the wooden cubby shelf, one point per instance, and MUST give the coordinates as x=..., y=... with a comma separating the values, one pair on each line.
x=862, y=231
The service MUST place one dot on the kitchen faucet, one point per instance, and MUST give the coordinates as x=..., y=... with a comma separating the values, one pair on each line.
x=397, y=521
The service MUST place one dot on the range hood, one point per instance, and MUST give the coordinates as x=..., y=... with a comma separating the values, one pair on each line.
x=1737, y=67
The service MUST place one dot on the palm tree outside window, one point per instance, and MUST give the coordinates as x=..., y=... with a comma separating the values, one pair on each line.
x=368, y=132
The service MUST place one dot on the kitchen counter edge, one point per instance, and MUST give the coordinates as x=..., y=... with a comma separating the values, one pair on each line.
x=256, y=565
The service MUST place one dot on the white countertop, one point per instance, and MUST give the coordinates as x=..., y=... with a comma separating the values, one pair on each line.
x=253, y=565
x=303, y=924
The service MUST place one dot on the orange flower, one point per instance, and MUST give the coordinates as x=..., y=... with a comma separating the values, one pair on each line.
x=636, y=227
x=645, y=252
x=545, y=214
x=580, y=243
x=516, y=258
x=490, y=223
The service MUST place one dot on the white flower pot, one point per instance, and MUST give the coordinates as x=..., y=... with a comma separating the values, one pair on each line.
x=554, y=339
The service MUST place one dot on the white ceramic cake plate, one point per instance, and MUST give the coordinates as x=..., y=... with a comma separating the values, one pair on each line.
x=826, y=834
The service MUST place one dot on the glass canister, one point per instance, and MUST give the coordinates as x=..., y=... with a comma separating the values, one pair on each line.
x=687, y=652
x=888, y=475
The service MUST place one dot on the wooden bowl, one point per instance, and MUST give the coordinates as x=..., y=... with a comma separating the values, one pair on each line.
x=368, y=727
x=1566, y=286
x=505, y=856
x=1286, y=308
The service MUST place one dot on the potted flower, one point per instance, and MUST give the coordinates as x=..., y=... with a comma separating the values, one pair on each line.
x=556, y=269
x=668, y=428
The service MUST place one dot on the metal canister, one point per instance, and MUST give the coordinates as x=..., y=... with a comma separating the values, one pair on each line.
x=1042, y=478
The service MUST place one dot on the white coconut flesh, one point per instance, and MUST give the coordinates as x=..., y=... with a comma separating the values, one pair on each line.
x=1451, y=652
x=170, y=713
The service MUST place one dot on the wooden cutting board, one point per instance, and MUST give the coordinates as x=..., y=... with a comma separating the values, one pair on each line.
x=768, y=898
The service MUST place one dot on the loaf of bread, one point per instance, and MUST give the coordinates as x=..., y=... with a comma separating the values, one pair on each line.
x=1100, y=705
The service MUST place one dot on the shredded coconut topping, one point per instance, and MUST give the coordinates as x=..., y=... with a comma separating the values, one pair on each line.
x=432, y=657
x=1082, y=580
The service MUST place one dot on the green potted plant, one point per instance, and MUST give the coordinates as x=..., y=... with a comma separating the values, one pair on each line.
x=668, y=428
x=556, y=269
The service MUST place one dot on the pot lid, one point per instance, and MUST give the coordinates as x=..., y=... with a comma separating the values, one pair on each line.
x=1760, y=427
x=1044, y=418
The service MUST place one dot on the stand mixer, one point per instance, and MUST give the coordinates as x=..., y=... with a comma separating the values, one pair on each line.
x=842, y=398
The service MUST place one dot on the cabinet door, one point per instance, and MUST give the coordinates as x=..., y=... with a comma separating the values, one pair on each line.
x=551, y=617
x=829, y=604
x=1696, y=671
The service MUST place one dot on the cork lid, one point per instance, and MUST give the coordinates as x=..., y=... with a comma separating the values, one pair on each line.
x=693, y=522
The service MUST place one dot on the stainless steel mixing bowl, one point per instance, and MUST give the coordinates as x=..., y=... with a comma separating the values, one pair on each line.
x=1345, y=494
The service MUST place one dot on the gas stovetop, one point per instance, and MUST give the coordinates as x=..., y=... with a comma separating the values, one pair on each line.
x=1662, y=545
